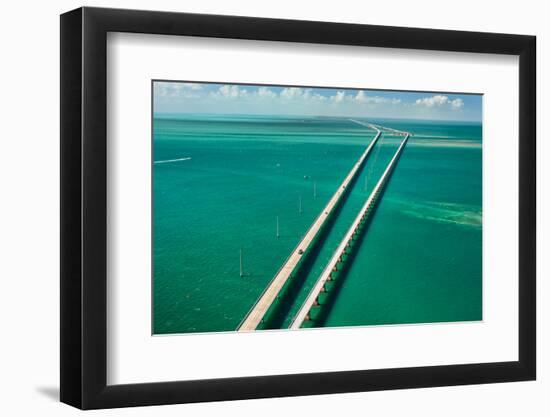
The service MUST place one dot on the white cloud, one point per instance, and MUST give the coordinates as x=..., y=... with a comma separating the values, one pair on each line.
x=175, y=89
x=292, y=92
x=287, y=100
x=192, y=86
x=362, y=97
x=265, y=92
x=432, y=101
x=457, y=103
x=317, y=97
x=229, y=91
x=440, y=101
x=338, y=97
x=298, y=93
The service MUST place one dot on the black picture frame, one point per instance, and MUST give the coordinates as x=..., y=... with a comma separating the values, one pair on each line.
x=84, y=207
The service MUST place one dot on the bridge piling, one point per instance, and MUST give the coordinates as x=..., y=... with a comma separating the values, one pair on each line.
x=344, y=246
x=260, y=308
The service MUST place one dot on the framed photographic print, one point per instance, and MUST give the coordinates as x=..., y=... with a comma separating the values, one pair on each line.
x=257, y=207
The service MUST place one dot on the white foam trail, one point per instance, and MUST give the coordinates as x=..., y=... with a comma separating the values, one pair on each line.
x=166, y=161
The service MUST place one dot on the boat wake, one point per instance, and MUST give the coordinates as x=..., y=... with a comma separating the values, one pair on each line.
x=167, y=161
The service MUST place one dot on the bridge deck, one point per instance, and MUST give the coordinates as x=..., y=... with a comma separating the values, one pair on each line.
x=326, y=275
x=262, y=305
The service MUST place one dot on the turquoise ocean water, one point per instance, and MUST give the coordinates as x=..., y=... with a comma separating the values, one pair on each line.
x=220, y=182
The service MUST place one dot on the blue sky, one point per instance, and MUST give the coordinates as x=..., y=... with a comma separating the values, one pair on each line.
x=186, y=97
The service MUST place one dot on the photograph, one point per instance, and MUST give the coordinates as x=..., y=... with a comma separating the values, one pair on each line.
x=301, y=207
x=258, y=204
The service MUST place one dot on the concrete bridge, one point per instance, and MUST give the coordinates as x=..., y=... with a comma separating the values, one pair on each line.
x=255, y=316
x=346, y=246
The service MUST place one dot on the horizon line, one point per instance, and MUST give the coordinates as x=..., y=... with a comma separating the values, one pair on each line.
x=318, y=116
